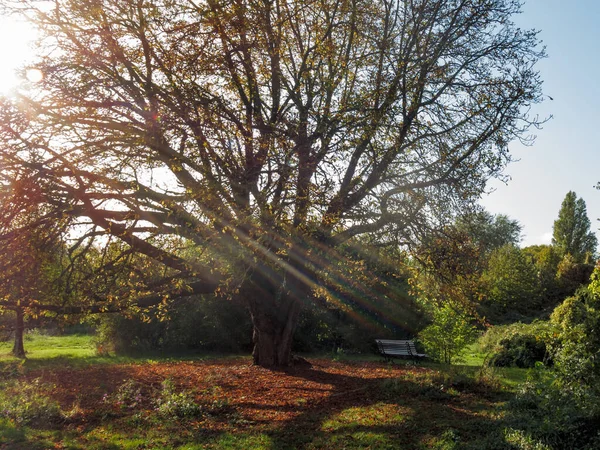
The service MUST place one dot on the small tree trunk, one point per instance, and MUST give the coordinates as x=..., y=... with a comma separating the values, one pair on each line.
x=18, y=348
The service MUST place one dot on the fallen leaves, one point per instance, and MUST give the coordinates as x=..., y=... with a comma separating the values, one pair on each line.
x=258, y=395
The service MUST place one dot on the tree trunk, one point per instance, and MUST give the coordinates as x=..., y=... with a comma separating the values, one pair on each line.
x=18, y=348
x=275, y=315
x=273, y=339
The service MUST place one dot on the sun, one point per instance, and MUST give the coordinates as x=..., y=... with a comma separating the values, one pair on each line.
x=16, y=37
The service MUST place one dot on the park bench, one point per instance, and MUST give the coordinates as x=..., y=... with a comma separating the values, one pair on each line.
x=398, y=349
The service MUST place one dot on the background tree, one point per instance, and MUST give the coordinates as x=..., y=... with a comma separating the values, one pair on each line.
x=511, y=282
x=447, y=268
x=267, y=133
x=489, y=231
x=31, y=257
x=451, y=262
x=571, y=232
x=546, y=259
x=570, y=275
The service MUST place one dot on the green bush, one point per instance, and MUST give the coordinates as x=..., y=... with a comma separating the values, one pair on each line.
x=577, y=350
x=449, y=333
x=26, y=402
x=175, y=405
x=561, y=408
x=519, y=344
x=127, y=396
x=203, y=323
x=551, y=413
x=521, y=351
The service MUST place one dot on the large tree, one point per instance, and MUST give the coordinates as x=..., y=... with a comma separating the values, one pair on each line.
x=268, y=133
x=571, y=232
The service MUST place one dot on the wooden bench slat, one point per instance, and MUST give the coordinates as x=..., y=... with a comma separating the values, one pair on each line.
x=403, y=347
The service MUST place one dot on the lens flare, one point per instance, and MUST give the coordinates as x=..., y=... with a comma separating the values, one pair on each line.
x=34, y=75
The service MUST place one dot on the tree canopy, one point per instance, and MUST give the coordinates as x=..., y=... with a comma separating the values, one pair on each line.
x=512, y=280
x=489, y=231
x=266, y=134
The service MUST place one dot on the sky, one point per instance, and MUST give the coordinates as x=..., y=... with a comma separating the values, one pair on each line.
x=14, y=47
x=566, y=154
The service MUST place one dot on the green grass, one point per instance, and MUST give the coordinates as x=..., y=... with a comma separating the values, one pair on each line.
x=79, y=350
x=472, y=360
x=51, y=351
x=41, y=346
x=474, y=357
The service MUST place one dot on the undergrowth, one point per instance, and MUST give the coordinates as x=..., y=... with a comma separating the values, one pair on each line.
x=27, y=402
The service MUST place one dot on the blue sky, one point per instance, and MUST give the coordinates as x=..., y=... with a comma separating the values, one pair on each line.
x=566, y=154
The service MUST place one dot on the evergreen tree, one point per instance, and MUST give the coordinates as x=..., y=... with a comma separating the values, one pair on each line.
x=571, y=231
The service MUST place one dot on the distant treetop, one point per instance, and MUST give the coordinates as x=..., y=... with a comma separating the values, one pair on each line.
x=571, y=231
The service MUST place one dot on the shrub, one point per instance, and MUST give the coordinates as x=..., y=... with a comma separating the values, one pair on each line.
x=27, y=402
x=553, y=415
x=127, y=396
x=448, y=335
x=577, y=350
x=174, y=405
x=561, y=408
x=519, y=344
x=204, y=323
x=521, y=351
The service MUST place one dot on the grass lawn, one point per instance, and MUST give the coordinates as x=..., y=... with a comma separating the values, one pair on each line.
x=44, y=347
x=43, y=351
x=64, y=396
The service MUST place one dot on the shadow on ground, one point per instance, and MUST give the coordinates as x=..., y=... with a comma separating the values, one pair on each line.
x=329, y=405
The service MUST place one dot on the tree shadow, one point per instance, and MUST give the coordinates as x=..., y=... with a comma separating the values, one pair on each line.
x=382, y=412
x=330, y=405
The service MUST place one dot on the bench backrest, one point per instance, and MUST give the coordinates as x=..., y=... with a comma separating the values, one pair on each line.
x=396, y=347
